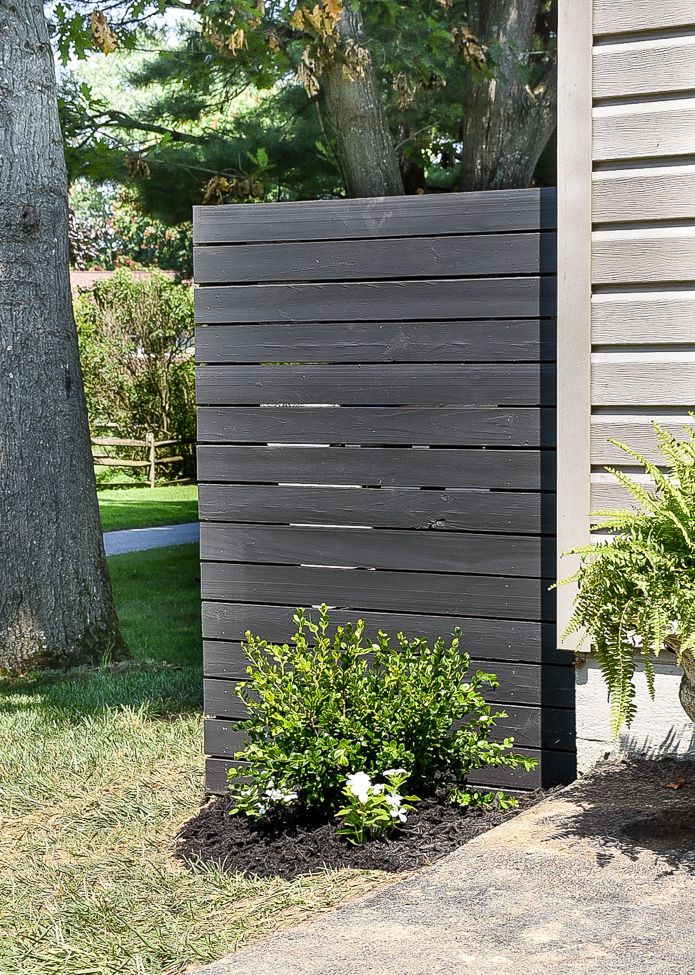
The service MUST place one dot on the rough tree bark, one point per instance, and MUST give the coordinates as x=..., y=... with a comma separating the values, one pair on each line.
x=353, y=115
x=506, y=124
x=56, y=606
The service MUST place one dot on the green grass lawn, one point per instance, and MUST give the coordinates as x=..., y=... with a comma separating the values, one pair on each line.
x=99, y=767
x=142, y=507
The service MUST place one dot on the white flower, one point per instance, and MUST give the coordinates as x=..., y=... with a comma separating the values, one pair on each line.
x=359, y=785
x=394, y=771
x=277, y=795
x=261, y=809
x=394, y=800
x=378, y=789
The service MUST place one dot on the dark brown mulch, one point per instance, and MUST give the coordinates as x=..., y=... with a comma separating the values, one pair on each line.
x=291, y=846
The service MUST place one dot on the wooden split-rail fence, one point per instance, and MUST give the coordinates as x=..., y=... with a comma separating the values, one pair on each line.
x=376, y=390
x=149, y=445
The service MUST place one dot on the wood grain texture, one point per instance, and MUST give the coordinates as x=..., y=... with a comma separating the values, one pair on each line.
x=617, y=16
x=423, y=592
x=489, y=639
x=523, y=297
x=373, y=548
x=659, y=129
x=495, y=511
x=660, y=193
x=519, y=684
x=500, y=384
x=554, y=768
x=463, y=341
x=514, y=470
x=394, y=257
x=451, y=213
x=608, y=495
x=625, y=318
x=530, y=727
x=643, y=256
x=635, y=432
x=369, y=425
x=648, y=67
x=644, y=379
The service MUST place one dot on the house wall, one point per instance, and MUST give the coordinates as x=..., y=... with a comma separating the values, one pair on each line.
x=626, y=269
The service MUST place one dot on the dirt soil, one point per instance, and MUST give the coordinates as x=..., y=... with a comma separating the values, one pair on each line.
x=291, y=846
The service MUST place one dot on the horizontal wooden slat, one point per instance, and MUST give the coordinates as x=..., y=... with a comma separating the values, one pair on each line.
x=636, y=432
x=530, y=726
x=616, y=16
x=375, y=548
x=643, y=256
x=649, y=67
x=519, y=470
x=647, y=317
x=225, y=664
x=464, y=341
x=554, y=768
x=643, y=379
x=492, y=639
x=379, y=507
x=502, y=384
x=660, y=128
x=522, y=297
x=450, y=213
x=661, y=193
x=335, y=260
x=373, y=425
x=519, y=684
x=434, y=592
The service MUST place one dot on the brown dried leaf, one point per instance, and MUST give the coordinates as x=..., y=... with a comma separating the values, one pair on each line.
x=677, y=783
x=102, y=35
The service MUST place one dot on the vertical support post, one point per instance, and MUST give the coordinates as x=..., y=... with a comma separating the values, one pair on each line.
x=151, y=476
x=574, y=170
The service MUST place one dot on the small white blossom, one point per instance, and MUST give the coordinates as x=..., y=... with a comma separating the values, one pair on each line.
x=394, y=771
x=359, y=785
x=394, y=800
x=378, y=789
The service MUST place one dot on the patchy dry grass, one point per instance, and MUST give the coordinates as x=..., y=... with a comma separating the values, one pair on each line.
x=98, y=769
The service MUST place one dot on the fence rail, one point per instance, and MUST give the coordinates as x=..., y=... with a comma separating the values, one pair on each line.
x=151, y=462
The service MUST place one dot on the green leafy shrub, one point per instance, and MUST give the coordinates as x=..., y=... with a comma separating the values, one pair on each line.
x=136, y=335
x=327, y=705
x=636, y=592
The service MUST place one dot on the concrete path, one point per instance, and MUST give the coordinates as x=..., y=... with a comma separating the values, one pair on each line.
x=138, y=539
x=598, y=878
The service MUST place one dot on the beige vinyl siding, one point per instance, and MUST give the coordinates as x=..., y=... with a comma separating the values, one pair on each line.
x=641, y=320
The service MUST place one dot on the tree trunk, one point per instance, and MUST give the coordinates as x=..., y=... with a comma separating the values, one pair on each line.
x=56, y=606
x=506, y=124
x=353, y=116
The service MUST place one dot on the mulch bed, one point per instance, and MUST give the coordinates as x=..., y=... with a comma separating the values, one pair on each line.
x=288, y=846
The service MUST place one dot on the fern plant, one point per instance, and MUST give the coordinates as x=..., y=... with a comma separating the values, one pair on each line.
x=636, y=591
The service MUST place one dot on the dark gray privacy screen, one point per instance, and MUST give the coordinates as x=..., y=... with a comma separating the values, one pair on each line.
x=376, y=425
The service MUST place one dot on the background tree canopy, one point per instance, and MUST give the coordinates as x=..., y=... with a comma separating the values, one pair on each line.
x=284, y=99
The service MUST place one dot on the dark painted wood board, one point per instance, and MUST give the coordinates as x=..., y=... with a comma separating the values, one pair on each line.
x=448, y=213
x=554, y=768
x=531, y=727
x=457, y=384
x=524, y=340
x=503, y=597
x=518, y=470
x=379, y=258
x=377, y=548
x=377, y=301
x=493, y=511
x=444, y=426
x=519, y=683
x=488, y=639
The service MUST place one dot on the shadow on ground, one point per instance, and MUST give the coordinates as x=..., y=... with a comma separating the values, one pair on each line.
x=634, y=806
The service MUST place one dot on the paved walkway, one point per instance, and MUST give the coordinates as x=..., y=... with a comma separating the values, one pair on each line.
x=599, y=878
x=138, y=539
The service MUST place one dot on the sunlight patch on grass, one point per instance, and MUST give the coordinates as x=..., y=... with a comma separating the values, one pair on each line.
x=99, y=767
x=143, y=507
